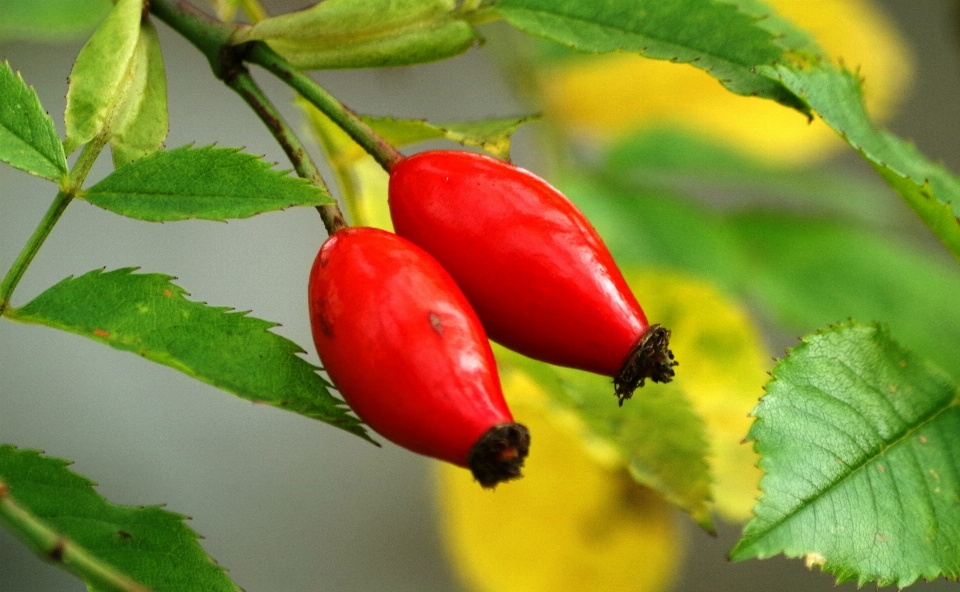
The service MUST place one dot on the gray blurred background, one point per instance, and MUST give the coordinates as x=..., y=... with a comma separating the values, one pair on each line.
x=285, y=503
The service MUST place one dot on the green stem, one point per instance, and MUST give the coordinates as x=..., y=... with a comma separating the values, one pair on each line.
x=247, y=88
x=79, y=173
x=207, y=34
x=381, y=150
x=54, y=547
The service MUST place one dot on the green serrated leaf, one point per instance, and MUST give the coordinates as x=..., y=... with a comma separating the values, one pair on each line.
x=657, y=433
x=724, y=39
x=101, y=74
x=860, y=443
x=140, y=125
x=50, y=20
x=149, y=544
x=28, y=139
x=208, y=183
x=928, y=188
x=148, y=315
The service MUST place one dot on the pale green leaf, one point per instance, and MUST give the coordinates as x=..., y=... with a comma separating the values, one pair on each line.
x=365, y=33
x=860, y=443
x=334, y=21
x=147, y=543
x=28, y=139
x=657, y=433
x=147, y=314
x=726, y=40
x=50, y=20
x=101, y=74
x=208, y=183
x=140, y=125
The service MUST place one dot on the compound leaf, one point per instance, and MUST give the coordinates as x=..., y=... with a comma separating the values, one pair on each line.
x=148, y=315
x=860, y=443
x=209, y=183
x=149, y=544
x=28, y=139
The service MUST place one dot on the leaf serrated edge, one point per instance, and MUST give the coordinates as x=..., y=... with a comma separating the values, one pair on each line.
x=796, y=102
x=61, y=163
x=843, y=573
x=344, y=421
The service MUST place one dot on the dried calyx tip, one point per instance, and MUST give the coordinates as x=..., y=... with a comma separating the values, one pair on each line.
x=651, y=358
x=499, y=454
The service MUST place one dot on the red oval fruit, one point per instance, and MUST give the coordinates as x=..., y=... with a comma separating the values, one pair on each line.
x=536, y=272
x=402, y=345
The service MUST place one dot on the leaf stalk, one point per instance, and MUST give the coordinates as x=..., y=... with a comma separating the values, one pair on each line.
x=66, y=194
x=382, y=151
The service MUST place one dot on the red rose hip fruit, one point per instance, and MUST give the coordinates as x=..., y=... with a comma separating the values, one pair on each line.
x=533, y=268
x=402, y=345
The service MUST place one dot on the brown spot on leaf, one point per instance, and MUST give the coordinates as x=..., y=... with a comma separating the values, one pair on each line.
x=881, y=469
x=167, y=292
x=56, y=551
x=124, y=534
x=101, y=333
x=923, y=439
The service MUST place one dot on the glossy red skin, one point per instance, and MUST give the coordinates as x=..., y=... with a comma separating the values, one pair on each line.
x=402, y=345
x=536, y=272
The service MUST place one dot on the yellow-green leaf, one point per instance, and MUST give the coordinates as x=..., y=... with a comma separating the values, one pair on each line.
x=140, y=125
x=572, y=523
x=101, y=74
x=723, y=366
